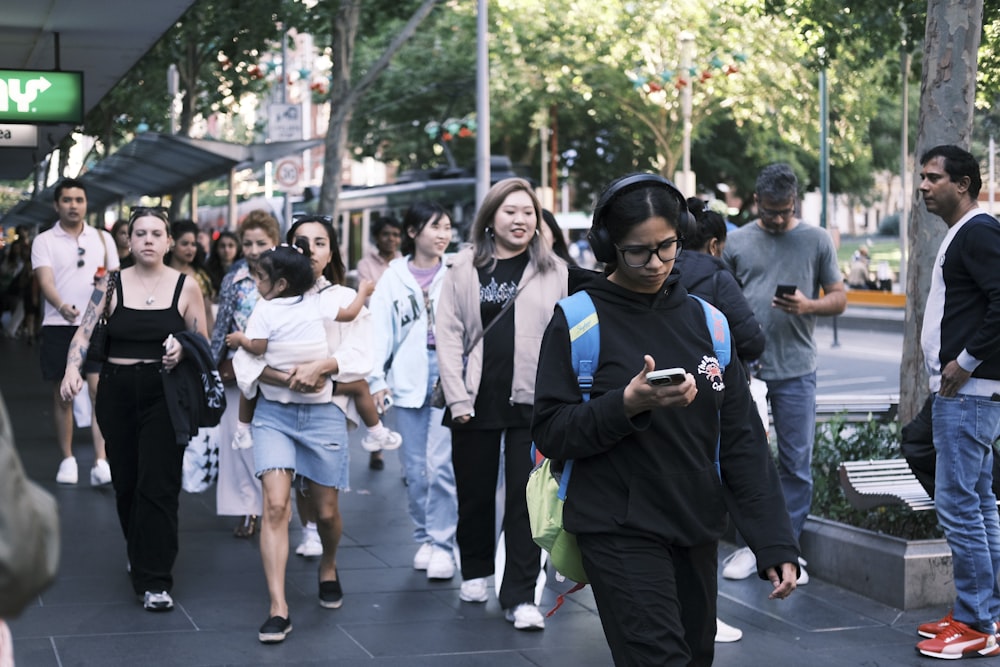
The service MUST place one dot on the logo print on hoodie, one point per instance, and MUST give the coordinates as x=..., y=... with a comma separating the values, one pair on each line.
x=710, y=368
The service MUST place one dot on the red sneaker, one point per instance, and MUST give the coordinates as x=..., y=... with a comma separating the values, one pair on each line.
x=958, y=640
x=932, y=628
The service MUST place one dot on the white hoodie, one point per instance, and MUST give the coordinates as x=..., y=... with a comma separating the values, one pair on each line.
x=399, y=321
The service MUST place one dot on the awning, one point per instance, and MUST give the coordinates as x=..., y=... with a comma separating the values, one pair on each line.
x=154, y=165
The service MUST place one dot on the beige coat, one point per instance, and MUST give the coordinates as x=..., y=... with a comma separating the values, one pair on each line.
x=458, y=323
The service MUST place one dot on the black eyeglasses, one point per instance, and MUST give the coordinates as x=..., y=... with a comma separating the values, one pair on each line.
x=160, y=212
x=771, y=214
x=638, y=256
x=80, y=252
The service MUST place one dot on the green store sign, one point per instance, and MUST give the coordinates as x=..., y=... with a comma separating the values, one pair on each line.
x=36, y=96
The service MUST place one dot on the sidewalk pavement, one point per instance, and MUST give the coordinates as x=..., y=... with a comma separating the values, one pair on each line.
x=391, y=614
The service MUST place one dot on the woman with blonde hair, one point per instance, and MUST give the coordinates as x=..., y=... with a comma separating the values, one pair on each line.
x=496, y=301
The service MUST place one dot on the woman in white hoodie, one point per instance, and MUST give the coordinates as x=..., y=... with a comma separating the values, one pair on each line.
x=406, y=368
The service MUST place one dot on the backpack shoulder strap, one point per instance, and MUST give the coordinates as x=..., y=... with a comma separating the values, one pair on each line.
x=585, y=343
x=718, y=328
x=584, y=338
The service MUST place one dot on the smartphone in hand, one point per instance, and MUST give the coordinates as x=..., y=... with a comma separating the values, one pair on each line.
x=782, y=291
x=666, y=377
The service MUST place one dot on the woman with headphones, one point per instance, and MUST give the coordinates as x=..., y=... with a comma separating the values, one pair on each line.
x=657, y=466
x=495, y=302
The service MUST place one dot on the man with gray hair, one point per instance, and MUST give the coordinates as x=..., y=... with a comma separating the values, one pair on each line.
x=782, y=263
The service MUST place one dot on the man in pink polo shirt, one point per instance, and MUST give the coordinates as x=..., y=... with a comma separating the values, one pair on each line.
x=66, y=259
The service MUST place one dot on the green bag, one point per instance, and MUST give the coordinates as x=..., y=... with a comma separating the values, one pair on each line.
x=545, y=513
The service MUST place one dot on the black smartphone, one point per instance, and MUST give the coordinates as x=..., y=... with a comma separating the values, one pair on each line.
x=781, y=291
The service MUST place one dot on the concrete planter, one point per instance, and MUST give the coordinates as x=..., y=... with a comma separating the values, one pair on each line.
x=896, y=572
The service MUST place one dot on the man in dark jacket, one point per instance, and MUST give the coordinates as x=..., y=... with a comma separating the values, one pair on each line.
x=961, y=344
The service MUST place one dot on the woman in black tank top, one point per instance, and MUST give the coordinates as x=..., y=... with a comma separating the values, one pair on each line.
x=149, y=303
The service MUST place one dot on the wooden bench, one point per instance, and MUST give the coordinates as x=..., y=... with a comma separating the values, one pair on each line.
x=857, y=407
x=871, y=484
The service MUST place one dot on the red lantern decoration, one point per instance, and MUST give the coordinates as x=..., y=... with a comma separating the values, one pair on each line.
x=464, y=133
x=705, y=76
x=731, y=69
x=681, y=83
x=654, y=87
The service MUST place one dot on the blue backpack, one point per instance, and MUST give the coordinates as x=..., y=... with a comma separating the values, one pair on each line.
x=545, y=495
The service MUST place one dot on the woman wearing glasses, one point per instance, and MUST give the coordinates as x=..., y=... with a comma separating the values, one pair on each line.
x=150, y=303
x=496, y=299
x=656, y=467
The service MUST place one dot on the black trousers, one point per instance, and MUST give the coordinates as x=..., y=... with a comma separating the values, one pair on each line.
x=656, y=601
x=145, y=469
x=917, y=445
x=475, y=456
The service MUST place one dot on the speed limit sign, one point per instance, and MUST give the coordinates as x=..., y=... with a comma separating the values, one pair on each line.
x=288, y=171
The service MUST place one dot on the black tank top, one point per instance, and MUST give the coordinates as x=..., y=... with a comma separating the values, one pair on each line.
x=139, y=334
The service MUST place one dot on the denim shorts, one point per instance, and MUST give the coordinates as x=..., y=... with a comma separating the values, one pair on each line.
x=309, y=439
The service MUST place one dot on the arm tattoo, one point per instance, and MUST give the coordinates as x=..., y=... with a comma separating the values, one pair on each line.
x=77, y=353
x=95, y=296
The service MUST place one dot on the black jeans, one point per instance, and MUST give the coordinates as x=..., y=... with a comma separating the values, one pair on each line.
x=145, y=469
x=476, y=459
x=656, y=600
x=917, y=445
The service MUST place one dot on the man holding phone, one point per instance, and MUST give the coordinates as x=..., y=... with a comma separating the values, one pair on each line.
x=782, y=263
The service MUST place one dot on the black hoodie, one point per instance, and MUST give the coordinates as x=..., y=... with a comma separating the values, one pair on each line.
x=656, y=473
x=709, y=277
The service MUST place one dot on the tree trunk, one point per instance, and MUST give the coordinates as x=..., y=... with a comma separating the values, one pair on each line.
x=947, y=98
x=344, y=98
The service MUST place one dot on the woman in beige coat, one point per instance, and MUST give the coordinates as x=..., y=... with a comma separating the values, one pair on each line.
x=507, y=284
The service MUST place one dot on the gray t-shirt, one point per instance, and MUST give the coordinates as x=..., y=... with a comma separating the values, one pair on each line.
x=803, y=256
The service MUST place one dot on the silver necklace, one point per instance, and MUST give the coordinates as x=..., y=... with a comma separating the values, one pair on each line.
x=150, y=299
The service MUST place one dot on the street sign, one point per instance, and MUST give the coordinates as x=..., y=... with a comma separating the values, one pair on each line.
x=18, y=136
x=284, y=122
x=288, y=171
x=41, y=96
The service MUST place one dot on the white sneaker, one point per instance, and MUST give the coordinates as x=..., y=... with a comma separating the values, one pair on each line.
x=473, y=590
x=740, y=564
x=423, y=556
x=100, y=474
x=441, y=564
x=310, y=546
x=157, y=601
x=68, y=473
x=387, y=439
x=803, y=575
x=242, y=439
x=525, y=616
x=725, y=633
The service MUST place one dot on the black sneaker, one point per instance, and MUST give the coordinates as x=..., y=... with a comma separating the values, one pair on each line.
x=330, y=594
x=157, y=601
x=274, y=630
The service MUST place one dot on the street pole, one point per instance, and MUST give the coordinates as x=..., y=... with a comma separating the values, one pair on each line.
x=482, y=103
x=686, y=41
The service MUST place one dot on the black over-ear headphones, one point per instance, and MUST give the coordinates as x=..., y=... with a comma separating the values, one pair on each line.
x=599, y=237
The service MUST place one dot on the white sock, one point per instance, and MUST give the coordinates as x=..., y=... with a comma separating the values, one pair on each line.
x=241, y=426
x=310, y=527
x=377, y=429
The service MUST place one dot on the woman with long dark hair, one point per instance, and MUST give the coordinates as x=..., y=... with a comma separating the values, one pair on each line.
x=406, y=368
x=657, y=467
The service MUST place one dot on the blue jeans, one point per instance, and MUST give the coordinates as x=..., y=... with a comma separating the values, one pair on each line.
x=964, y=430
x=426, y=459
x=793, y=407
